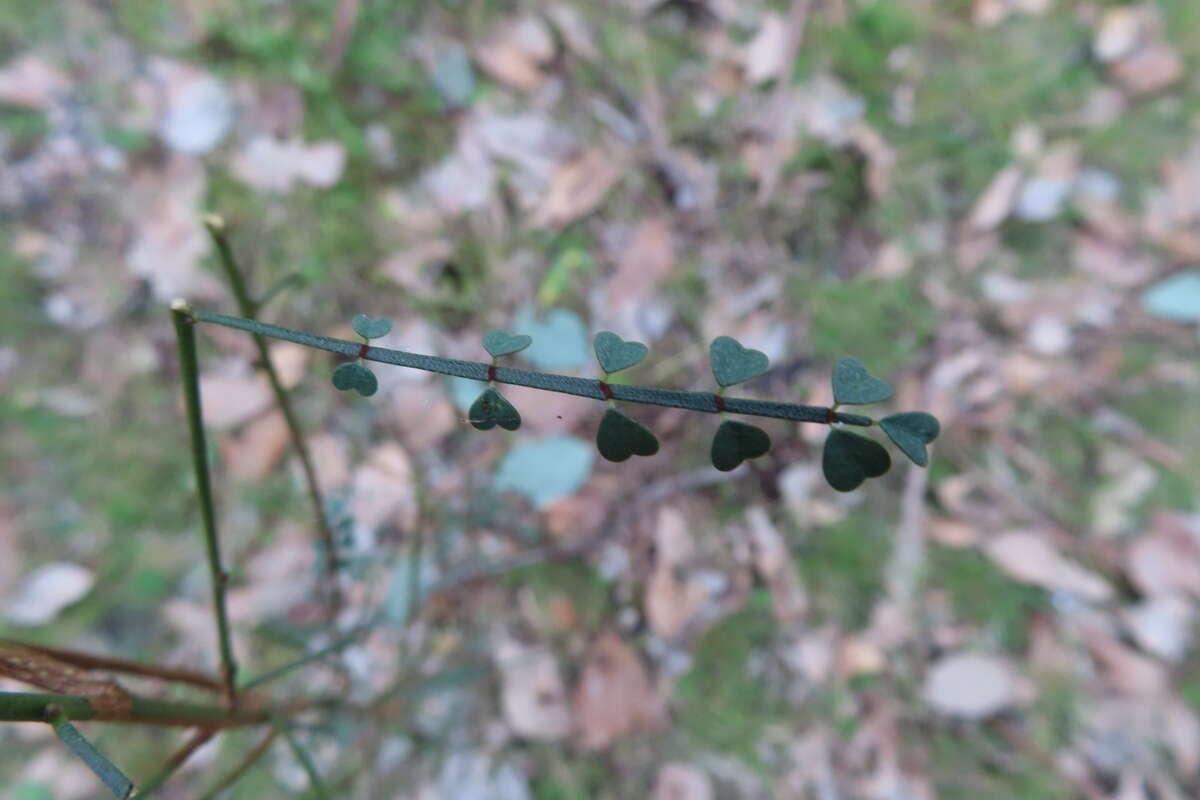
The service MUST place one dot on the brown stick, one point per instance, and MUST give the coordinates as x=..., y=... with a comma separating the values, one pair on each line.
x=90, y=661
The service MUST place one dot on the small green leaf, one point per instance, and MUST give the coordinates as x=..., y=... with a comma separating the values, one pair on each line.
x=735, y=441
x=369, y=328
x=850, y=459
x=732, y=363
x=491, y=409
x=854, y=385
x=353, y=375
x=614, y=353
x=501, y=343
x=911, y=431
x=620, y=437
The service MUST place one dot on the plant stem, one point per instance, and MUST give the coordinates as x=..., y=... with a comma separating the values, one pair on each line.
x=89, y=661
x=185, y=335
x=194, y=742
x=249, y=309
x=105, y=770
x=250, y=760
x=581, y=387
x=310, y=768
x=31, y=707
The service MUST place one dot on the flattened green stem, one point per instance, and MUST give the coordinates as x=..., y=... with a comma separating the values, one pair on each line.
x=105, y=770
x=581, y=387
x=185, y=336
x=31, y=707
x=249, y=308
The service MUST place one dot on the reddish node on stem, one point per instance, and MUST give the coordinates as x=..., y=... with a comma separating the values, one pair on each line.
x=362, y=350
x=605, y=390
x=719, y=402
x=830, y=416
x=491, y=372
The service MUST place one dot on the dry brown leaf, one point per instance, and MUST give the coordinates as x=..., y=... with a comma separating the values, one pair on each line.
x=672, y=600
x=774, y=564
x=411, y=267
x=257, y=450
x=277, y=578
x=46, y=591
x=532, y=694
x=971, y=685
x=1150, y=69
x=231, y=399
x=645, y=263
x=514, y=54
x=275, y=165
x=383, y=489
x=766, y=54
x=1165, y=560
x=1110, y=262
x=1162, y=626
x=881, y=157
x=1030, y=558
x=1123, y=669
x=678, y=781
x=330, y=460
x=578, y=187
x=615, y=695
x=32, y=82
x=997, y=200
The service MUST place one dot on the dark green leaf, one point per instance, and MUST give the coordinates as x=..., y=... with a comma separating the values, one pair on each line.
x=854, y=385
x=491, y=409
x=614, y=353
x=353, y=375
x=911, y=431
x=620, y=437
x=732, y=363
x=369, y=328
x=734, y=442
x=501, y=343
x=850, y=459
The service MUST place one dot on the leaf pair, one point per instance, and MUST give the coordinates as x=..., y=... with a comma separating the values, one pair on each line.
x=354, y=374
x=849, y=459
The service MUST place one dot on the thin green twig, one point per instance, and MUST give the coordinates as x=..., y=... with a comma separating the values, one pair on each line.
x=105, y=770
x=249, y=308
x=339, y=644
x=246, y=763
x=314, y=777
x=185, y=335
x=194, y=743
x=581, y=387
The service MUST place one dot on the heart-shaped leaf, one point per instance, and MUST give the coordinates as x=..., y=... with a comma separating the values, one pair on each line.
x=732, y=363
x=491, y=409
x=850, y=459
x=854, y=385
x=502, y=343
x=353, y=375
x=369, y=328
x=614, y=353
x=734, y=442
x=911, y=431
x=620, y=437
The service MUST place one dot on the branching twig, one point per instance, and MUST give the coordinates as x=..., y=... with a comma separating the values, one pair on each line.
x=249, y=308
x=185, y=335
x=89, y=661
x=194, y=743
x=130, y=708
x=250, y=760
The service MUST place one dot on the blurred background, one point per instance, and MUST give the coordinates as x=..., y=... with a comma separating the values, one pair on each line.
x=994, y=204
